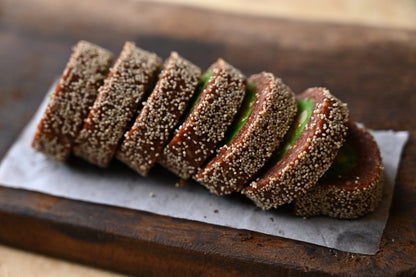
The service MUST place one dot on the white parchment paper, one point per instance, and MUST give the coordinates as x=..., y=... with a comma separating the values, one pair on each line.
x=22, y=167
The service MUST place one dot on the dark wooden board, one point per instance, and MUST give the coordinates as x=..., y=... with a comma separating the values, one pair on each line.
x=371, y=69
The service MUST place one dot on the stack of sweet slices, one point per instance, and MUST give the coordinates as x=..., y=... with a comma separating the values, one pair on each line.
x=229, y=133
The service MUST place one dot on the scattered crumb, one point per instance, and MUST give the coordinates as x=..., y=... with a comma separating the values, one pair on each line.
x=181, y=183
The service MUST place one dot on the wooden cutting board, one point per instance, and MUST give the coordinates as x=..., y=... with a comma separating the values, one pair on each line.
x=373, y=70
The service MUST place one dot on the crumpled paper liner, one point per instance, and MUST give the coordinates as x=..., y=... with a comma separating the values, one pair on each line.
x=24, y=168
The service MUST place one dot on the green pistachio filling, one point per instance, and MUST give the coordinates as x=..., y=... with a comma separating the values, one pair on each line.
x=345, y=161
x=243, y=114
x=203, y=82
x=304, y=113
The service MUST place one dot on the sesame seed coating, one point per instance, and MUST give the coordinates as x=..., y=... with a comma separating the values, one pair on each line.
x=205, y=127
x=353, y=194
x=116, y=104
x=310, y=156
x=150, y=132
x=270, y=119
x=70, y=103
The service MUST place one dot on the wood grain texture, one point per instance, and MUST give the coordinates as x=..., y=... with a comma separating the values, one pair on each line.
x=19, y=262
x=371, y=69
x=381, y=13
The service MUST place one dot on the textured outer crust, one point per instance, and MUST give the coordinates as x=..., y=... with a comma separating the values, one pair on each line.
x=309, y=157
x=150, y=132
x=271, y=117
x=117, y=102
x=197, y=137
x=354, y=194
x=70, y=103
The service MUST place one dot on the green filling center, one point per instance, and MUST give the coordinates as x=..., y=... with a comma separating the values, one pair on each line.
x=203, y=82
x=304, y=112
x=344, y=162
x=243, y=114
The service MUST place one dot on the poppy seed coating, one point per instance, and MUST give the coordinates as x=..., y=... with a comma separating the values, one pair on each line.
x=308, y=159
x=197, y=138
x=353, y=194
x=150, y=132
x=246, y=158
x=116, y=104
x=70, y=103
x=269, y=120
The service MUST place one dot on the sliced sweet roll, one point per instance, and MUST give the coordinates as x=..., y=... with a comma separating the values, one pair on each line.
x=213, y=112
x=268, y=109
x=353, y=185
x=161, y=113
x=71, y=101
x=310, y=148
x=134, y=72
